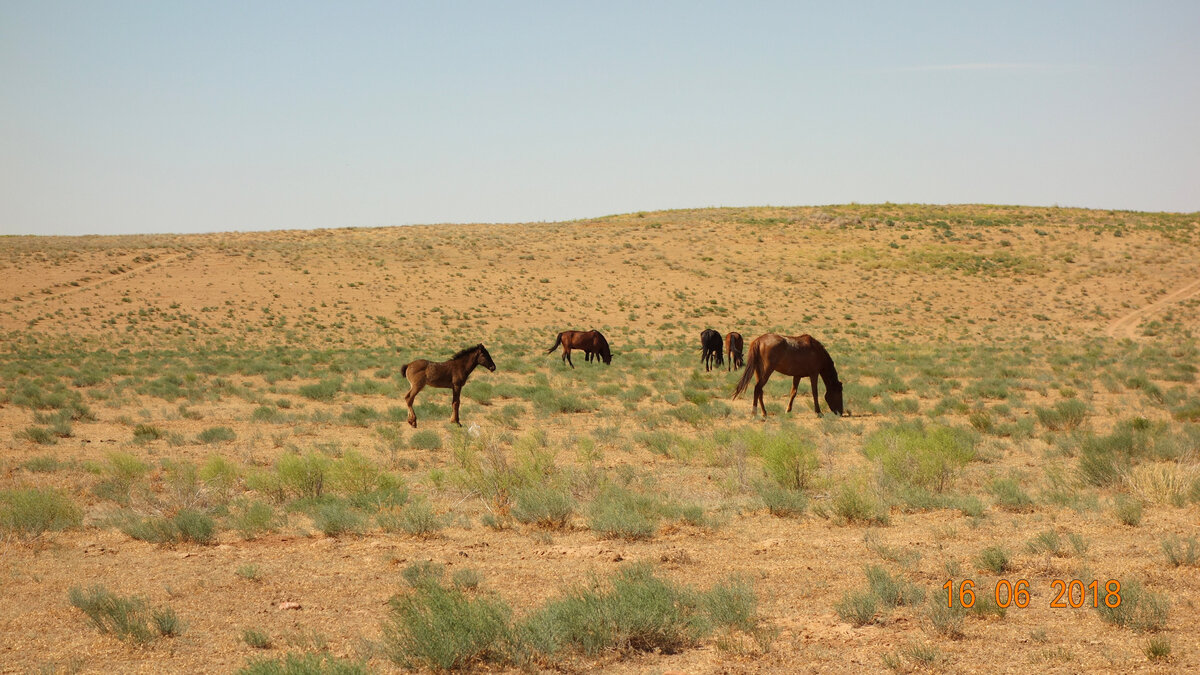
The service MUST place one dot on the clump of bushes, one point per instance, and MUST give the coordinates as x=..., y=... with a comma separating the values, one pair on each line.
x=444, y=627
x=129, y=618
x=32, y=512
x=1140, y=610
x=914, y=455
x=883, y=591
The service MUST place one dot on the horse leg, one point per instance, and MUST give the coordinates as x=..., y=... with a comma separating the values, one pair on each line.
x=795, y=385
x=758, y=393
x=411, y=396
x=816, y=404
x=567, y=357
x=455, y=398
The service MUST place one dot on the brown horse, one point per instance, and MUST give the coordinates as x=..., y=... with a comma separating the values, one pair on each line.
x=450, y=374
x=799, y=357
x=710, y=349
x=592, y=343
x=733, y=347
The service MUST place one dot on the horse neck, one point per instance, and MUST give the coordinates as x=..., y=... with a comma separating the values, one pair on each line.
x=471, y=361
x=828, y=371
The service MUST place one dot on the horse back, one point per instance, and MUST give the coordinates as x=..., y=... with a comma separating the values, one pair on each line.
x=798, y=356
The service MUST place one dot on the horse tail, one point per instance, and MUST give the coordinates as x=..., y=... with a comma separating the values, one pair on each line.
x=404, y=370
x=557, y=342
x=751, y=370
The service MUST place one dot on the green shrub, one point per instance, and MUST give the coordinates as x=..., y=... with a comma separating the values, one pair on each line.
x=128, y=618
x=325, y=390
x=1181, y=553
x=789, y=460
x=1157, y=649
x=548, y=401
x=1140, y=610
x=622, y=514
x=248, y=571
x=417, y=519
x=1101, y=466
x=266, y=413
x=32, y=512
x=303, y=475
x=336, y=519
x=1064, y=416
x=544, y=506
x=732, y=603
x=854, y=504
x=195, y=526
x=155, y=529
x=893, y=591
x=923, y=457
x=38, y=435
x=216, y=435
x=637, y=611
x=43, y=464
x=858, y=609
x=426, y=439
x=467, y=578
x=444, y=629
x=253, y=519
x=122, y=473
x=256, y=638
x=360, y=416
x=144, y=433
x=947, y=622
x=422, y=572
x=1128, y=511
x=1009, y=496
x=166, y=622
x=1046, y=542
x=994, y=559
x=781, y=501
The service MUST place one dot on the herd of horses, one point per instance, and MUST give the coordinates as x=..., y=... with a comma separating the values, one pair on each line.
x=800, y=356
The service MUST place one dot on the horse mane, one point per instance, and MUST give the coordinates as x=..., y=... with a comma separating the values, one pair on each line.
x=466, y=351
x=828, y=371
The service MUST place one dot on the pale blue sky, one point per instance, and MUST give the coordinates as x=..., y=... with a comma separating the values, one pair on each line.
x=122, y=117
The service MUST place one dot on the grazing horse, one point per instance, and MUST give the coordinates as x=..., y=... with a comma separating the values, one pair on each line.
x=710, y=349
x=733, y=346
x=799, y=357
x=592, y=343
x=450, y=374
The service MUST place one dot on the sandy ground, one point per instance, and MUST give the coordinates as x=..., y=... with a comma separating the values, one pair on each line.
x=1019, y=282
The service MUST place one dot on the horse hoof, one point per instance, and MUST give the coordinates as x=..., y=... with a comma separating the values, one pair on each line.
x=412, y=423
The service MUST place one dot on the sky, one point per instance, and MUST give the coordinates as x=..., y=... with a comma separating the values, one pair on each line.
x=151, y=117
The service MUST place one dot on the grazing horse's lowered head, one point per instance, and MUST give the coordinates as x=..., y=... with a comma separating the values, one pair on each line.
x=833, y=397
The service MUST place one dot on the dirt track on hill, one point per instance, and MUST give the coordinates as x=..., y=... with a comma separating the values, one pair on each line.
x=1126, y=326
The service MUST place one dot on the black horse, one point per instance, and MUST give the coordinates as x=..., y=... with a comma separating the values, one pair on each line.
x=710, y=349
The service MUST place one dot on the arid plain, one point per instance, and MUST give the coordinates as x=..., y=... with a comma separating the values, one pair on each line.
x=217, y=425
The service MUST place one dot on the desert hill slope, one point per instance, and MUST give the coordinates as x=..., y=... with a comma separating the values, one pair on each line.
x=204, y=437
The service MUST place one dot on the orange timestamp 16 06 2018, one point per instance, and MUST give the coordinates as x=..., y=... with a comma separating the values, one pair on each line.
x=1072, y=593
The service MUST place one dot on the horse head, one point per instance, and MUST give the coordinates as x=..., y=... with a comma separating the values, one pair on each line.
x=833, y=397
x=484, y=359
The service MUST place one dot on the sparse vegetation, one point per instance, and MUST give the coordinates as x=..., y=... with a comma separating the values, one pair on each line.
x=31, y=512
x=128, y=618
x=992, y=429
